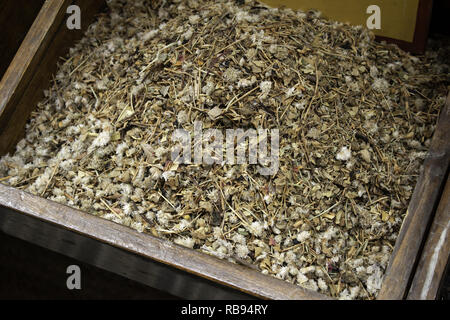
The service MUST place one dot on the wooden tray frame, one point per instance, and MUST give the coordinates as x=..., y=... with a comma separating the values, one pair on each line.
x=435, y=257
x=434, y=260
x=142, y=257
x=17, y=16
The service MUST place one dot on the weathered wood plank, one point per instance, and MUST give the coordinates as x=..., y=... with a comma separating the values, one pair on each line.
x=16, y=16
x=420, y=211
x=21, y=89
x=20, y=205
x=433, y=262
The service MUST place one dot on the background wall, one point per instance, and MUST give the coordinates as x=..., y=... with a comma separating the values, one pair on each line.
x=398, y=17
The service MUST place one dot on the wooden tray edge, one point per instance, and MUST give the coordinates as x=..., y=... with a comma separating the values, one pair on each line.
x=420, y=211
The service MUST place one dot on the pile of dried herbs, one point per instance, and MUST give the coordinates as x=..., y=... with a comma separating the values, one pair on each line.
x=355, y=119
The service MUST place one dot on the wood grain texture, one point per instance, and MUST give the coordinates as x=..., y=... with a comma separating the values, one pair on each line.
x=34, y=64
x=433, y=262
x=16, y=18
x=163, y=251
x=420, y=212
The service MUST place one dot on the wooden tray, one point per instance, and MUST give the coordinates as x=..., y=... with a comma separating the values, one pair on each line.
x=16, y=16
x=152, y=261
